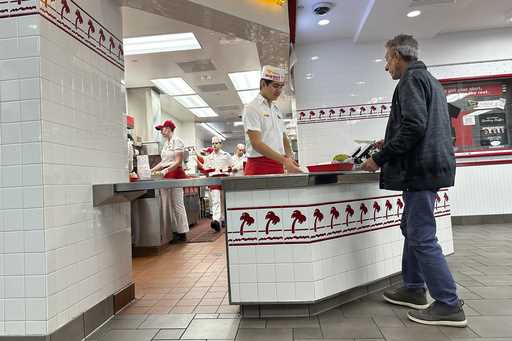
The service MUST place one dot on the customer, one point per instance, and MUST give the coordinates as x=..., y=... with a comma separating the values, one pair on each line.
x=417, y=158
x=173, y=207
x=221, y=162
x=239, y=159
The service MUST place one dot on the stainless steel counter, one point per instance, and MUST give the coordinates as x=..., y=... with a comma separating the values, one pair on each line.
x=111, y=193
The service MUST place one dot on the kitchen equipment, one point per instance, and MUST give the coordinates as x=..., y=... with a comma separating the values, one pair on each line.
x=150, y=148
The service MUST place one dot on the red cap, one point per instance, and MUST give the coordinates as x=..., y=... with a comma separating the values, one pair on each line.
x=168, y=124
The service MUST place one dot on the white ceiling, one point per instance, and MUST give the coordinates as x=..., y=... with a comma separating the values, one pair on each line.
x=377, y=20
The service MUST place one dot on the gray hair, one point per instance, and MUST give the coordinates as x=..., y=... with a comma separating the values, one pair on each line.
x=405, y=45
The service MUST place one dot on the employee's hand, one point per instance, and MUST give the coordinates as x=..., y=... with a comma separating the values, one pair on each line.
x=379, y=144
x=370, y=166
x=291, y=166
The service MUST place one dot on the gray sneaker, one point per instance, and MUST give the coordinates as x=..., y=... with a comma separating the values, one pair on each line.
x=439, y=314
x=412, y=298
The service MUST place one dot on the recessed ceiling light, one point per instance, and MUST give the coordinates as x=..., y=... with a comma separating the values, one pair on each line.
x=309, y=75
x=315, y=58
x=191, y=101
x=247, y=96
x=160, y=43
x=509, y=19
x=174, y=86
x=414, y=13
x=353, y=95
x=245, y=80
x=324, y=22
x=361, y=83
x=213, y=131
x=204, y=112
x=238, y=123
x=378, y=60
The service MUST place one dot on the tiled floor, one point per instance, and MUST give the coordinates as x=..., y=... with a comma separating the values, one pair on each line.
x=182, y=295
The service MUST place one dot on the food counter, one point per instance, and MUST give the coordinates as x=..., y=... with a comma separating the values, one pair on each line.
x=306, y=238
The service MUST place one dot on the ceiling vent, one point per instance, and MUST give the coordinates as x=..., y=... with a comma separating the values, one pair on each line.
x=212, y=87
x=228, y=108
x=197, y=66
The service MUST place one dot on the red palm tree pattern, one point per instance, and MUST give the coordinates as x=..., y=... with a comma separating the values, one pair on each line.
x=311, y=114
x=65, y=8
x=376, y=208
x=382, y=108
x=372, y=109
x=389, y=206
x=102, y=37
x=342, y=111
x=362, y=211
x=119, y=50
x=246, y=219
x=78, y=19
x=91, y=28
x=352, y=110
x=297, y=216
x=318, y=217
x=399, y=206
x=112, y=44
x=322, y=113
x=334, y=215
x=362, y=110
x=438, y=200
x=271, y=217
x=446, y=199
x=349, y=211
x=331, y=112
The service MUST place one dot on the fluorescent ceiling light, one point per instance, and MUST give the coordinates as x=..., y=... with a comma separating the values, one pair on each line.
x=247, y=96
x=213, y=131
x=361, y=83
x=238, y=123
x=191, y=101
x=160, y=43
x=173, y=86
x=414, y=13
x=245, y=80
x=315, y=58
x=378, y=60
x=309, y=75
x=204, y=112
x=324, y=22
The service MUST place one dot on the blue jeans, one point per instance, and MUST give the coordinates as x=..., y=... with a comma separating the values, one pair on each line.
x=423, y=261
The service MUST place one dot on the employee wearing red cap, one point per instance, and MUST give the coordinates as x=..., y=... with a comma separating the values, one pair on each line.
x=268, y=147
x=173, y=207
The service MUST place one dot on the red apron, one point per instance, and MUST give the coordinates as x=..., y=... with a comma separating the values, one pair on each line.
x=178, y=173
x=262, y=166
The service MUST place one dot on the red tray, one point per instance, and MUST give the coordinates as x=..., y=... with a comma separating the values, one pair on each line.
x=331, y=167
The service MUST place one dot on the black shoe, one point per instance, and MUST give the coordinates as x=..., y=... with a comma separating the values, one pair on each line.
x=412, y=298
x=215, y=225
x=439, y=314
x=181, y=237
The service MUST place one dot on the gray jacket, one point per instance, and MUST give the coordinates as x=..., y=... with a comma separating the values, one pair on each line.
x=418, y=151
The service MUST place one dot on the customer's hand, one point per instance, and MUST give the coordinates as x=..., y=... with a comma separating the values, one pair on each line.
x=291, y=166
x=370, y=166
x=379, y=144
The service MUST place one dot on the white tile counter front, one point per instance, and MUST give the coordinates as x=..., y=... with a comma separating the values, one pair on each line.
x=302, y=245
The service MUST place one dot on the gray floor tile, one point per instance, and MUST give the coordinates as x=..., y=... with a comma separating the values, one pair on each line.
x=167, y=321
x=169, y=334
x=388, y=321
x=491, y=326
x=300, y=322
x=458, y=332
x=211, y=329
x=414, y=333
x=491, y=280
x=257, y=334
x=491, y=307
x=483, y=339
x=129, y=335
x=206, y=316
x=367, y=308
x=252, y=323
x=307, y=333
x=131, y=323
x=490, y=292
x=351, y=328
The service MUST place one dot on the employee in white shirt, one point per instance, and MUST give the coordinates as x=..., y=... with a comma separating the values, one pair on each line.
x=173, y=206
x=268, y=147
x=239, y=159
x=221, y=162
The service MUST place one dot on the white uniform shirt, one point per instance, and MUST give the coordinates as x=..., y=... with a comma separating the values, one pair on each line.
x=258, y=116
x=238, y=163
x=170, y=149
x=218, y=161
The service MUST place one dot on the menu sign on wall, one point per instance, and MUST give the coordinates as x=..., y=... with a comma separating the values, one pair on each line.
x=493, y=129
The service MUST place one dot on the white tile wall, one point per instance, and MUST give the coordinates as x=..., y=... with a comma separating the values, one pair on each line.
x=308, y=272
x=61, y=128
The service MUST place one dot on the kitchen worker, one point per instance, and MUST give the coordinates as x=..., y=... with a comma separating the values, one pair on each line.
x=221, y=162
x=239, y=159
x=200, y=159
x=268, y=147
x=173, y=207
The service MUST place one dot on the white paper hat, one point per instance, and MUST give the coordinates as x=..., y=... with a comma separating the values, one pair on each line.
x=216, y=139
x=273, y=73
